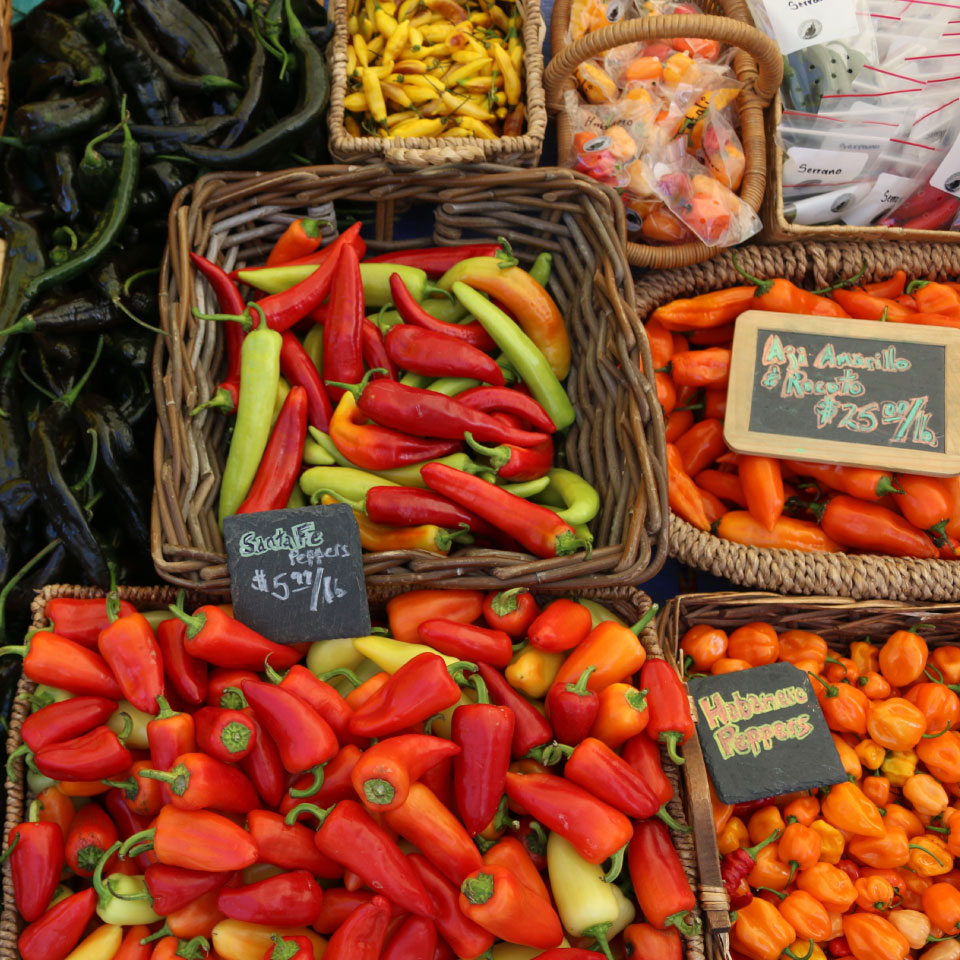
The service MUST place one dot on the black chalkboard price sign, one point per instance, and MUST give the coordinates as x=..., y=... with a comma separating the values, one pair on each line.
x=297, y=575
x=763, y=733
x=854, y=392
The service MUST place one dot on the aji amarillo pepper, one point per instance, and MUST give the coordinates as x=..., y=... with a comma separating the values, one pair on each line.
x=782, y=296
x=708, y=368
x=685, y=499
x=788, y=533
x=677, y=423
x=705, y=311
x=865, y=306
x=925, y=503
x=872, y=528
x=860, y=482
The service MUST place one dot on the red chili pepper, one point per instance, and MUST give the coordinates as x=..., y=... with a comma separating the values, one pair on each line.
x=561, y=626
x=484, y=733
x=61, y=721
x=130, y=648
x=324, y=699
x=514, y=463
x=838, y=947
x=374, y=350
x=701, y=368
x=411, y=312
x=339, y=903
x=536, y=528
x=58, y=662
x=530, y=727
x=573, y=708
x=349, y=237
x=415, y=939
x=411, y=506
x=97, y=755
x=289, y=846
x=170, y=735
x=595, y=829
x=302, y=736
x=91, y=833
x=291, y=899
x=185, y=673
x=511, y=611
x=265, y=769
x=660, y=884
x=508, y=400
x=701, y=445
x=644, y=756
x=362, y=934
x=131, y=948
x=872, y=528
x=349, y=835
x=218, y=638
x=81, y=620
x=467, y=938
x=670, y=720
x=337, y=782
x=301, y=238
x=925, y=503
x=299, y=369
x=420, y=688
x=290, y=948
x=342, y=329
x=436, y=261
x=58, y=931
x=172, y=888
x=433, y=354
x=197, y=782
x=223, y=686
x=467, y=641
x=226, y=735
x=35, y=850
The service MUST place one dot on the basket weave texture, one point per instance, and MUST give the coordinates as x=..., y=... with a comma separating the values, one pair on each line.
x=626, y=602
x=757, y=64
x=860, y=576
x=430, y=151
x=617, y=443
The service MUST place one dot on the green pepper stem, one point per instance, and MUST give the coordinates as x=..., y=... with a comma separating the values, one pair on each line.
x=164, y=931
x=21, y=751
x=359, y=505
x=580, y=687
x=357, y=388
x=221, y=400
x=284, y=949
x=478, y=889
x=806, y=956
x=599, y=933
x=616, y=865
x=763, y=286
x=456, y=670
x=673, y=824
x=917, y=846
x=637, y=698
x=311, y=788
x=477, y=682
x=849, y=282
x=127, y=727
x=378, y=791
x=294, y=813
x=143, y=895
x=166, y=711
x=687, y=928
x=431, y=289
x=344, y=672
x=232, y=698
x=776, y=893
x=195, y=622
x=104, y=893
x=71, y=395
x=10, y=849
x=637, y=628
x=272, y=674
x=498, y=455
x=243, y=319
x=505, y=602
x=754, y=850
x=671, y=739
x=429, y=722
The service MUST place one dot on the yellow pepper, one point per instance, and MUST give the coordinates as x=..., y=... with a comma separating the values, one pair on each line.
x=871, y=754
x=102, y=944
x=360, y=50
x=586, y=903
x=807, y=949
x=406, y=8
x=385, y=24
x=418, y=127
x=533, y=671
x=353, y=128
x=138, y=731
x=376, y=44
x=899, y=766
x=396, y=94
x=478, y=128
x=456, y=131
x=410, y=66
x=398, y=40
x=390, y=654
x=327, y=655
x=733, y=836
x=238, y=940
x=626, y=912
x=401, y=116
x=831, y=841
x=929, y=856
x=353, y=24
x=913, y=924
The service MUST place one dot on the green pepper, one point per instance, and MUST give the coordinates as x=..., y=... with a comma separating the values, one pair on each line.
x=451, y=386
x=528, y=489
x=540, y=271
x=347, y=482
x=579, y=501
x=259, y=380
x=23, y=263
x=440, y=308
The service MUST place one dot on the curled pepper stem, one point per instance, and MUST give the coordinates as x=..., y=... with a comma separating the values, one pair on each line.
x=10, y=849
x=918, y=846
x=221, y=400
x=233, y=699
x=776, y=893
x=125, y=896
x=272, y=674
x=127, y=727
x=599, y=933
x=506, y=256
x=113, y=597
x=21, y=751
x=344, y=672
x=164, y=931
x=357, y=388
x=430, y=721
x=294, y=813
x=431, y=289
x=794, y=866
x=505, y=602
x=483, y=844
x=143, y=838
x=478, y=684
x=498, y=455
x=311, y=788
x=671, y=739
x=103, y=891
x=673, y=824
x=357, y=505
x=849, y=282
x=754, y=850
x=763, y=286
x=616, y=865
x=788, y=952
x=456, y=670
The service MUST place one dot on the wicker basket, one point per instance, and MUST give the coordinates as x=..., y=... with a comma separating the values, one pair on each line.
x=758, y=65
x=430, y=151
x=838, y=621
x=617, y=443
x=6, y=55
x=791, y=571
x=776, y=229
x=628, y=603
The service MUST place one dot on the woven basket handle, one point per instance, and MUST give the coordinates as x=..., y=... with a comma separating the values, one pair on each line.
x=648, y=29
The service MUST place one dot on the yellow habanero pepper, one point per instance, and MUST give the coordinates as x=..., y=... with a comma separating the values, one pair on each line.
x=732, y=836
x=929, y=856
x=899, y=766
x=102, y=944
x=239, y=940
x=831, y=841
x=533, y=671
x=871, y=754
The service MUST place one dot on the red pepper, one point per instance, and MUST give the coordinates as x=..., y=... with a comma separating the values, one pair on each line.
x=97, y=755
x=127, y=821
x=514, y=463
x=130, y=648
x=227, y=735
x=349, y=237
x=170, y=735
x=534, y=839
x=289, y=846
x=362, y=934
x=538, y=529
x=64, y=720
x=467, y=938
x=324, y=699
x=172, y=888
x=571, y=953
x=290, y=948
x=411, y=506
x=349, y=835
x=737, y=864
x=374, y=350
x=484, y=733
x=701, y=445
x=185, y=673
x=339, y=903
x=197, y=782
x=467, y=642
x=659, y=882
x=530, y=727
x=439, y=355
x=470, y=333
x=58, y=662
x=299, y=369
x=439, y=779
x=337, y=782
x=508, y=400
x=415, y=939
x=301, y=238
x=218, y=638
x=223, y=687
x=420, y=688
x=937, y=217
x=91, y=833
x=35, y=851
x=838, y=947
x=383, y=774
x=291, y=899
x=644, y=756
x=511, y=611
x=572, y=708
x=563, y=625
x=265, y=769
x=342, y=328
x=81, y=620
x=131, y=948
x=436, y=261
x=670, y=720
x=58, y=931
x=170, y=948
x=302, y=736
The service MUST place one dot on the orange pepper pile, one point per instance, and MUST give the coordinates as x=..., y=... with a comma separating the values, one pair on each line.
x=864, y=868
x=789, y=504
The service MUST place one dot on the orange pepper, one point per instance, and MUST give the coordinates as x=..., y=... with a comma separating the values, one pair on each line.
x=903, y=657
x=615, y=650
x=876, y=789
x=926, y=795
x=846, y=807
x=757, y=643
x=830, y=885
x=862, y=306
x=895, y=724
x=729, y=665
x=865, y=655
x=844, y=706
x=890, y=851
x=891, y=287
x=764, y=822
x=770, y=871
x=953, y=838
x=892, y=875
x=804, y=810
x=762, y=485
x=623, y=714
x=82, y=788
x=871, y=937
x=874, y=685
x=806, y=914
x=706, y=310
x=666, y=393
x=899, y=816
x=798, y=645
x=407, y=611
x=54, y=806
x=871, y=754
x=722, y=812
x=929, y=856
x=799, y=846
x=740, y=526
x=368, y=689
x=848, y=757
x=704, y=645
x=831, y=841
x=733, y=836
x=685, y=500
x=677, y=423
x=941, y=903
x=933, y=297
x=938, y=703
x=874, y=894
x=947, y=661
x=661, y=343
x=760, y=931
x=196, y=919
x=839, y=669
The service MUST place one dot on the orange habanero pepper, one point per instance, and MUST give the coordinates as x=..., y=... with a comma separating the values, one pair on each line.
x=929, y=856
x=840, y=669
x=763, y=822
x=846, y=807
x=801, y=645
x=770, y=871
x=890, y=851
x=941, y=756
x=876, y=789
x=896, y=724
x=799, y=846
x=874, y=894
x=806, y=914
x=803, y=809
x=848, y=756
x=941, y=903
x=871, y=755
x=830, y=885
x=732, y=836
x=831, y=841
x=760, y=932
x=865, y=655
x=925, y=794
x=844, y=706
x=757, y=643
x=938, y=703
x=947, y=661
x=875, y=686
x=903, y=657
x=897, y=815
x=703, y=646
x=871, y=937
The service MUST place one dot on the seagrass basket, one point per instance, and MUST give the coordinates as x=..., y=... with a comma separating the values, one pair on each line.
x=838, y=620
x=617, y=443
x=626, y=602
x=429, y=151
x=814, y=266
x=757, y=64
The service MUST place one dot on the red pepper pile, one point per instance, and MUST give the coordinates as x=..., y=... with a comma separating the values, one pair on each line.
x=407, y=820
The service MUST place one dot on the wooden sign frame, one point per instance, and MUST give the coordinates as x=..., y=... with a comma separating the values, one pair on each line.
x=944, y=462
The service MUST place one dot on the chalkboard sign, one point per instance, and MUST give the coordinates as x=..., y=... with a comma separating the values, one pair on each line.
x=297, y=575
x=763, y=733
x=836, y=391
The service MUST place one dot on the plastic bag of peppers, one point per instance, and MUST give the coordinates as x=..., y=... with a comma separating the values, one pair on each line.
x=792, y=504
x=484, y=781
x=864, y=868
x=422, y=387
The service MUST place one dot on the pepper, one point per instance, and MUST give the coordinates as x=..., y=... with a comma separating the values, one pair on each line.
x=435, y=354
x=414, y=939
x=81, y=620
x=870, y=935
x=383, y=775
x=701, y=445
x=685, y=499
x=301, y=238
x=937, y=702
x=290, y=898
x=866, y=306
x=573, y=708
x=467, y=641
x=530, y=728
x=338, y=903
x=846, y=808
x=91, y=834
x=760, y=931
x=226, y=735
x=361, y=936
x=705, y=311
x=238, y=940
x=170, y=734
x=61, y=721
x=844, y=706
x=562, y=625
x=644, y=756
x=511, y=611
x=903, y=657
x=895, y=724
x=96, y=755
x=436, y=261
x=36, y=853
x=739, y=526
x=860, y=482
x=616, y=650
x=670, y=720
x=289, y=846
x=265, y=769
x=508, y=400
x=59, y=929
x=738, y=863
x=762, y=487
x=173, y=888
x=130, y=648
x=197, y=781
x=941, y=756
x=103, y=942
x=185, y=673
x=830, y=885
x=872, y=528
x=645, y=940
x=324, y=699
x=783, y=296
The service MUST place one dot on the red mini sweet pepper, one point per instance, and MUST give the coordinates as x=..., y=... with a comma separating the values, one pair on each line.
x=97, y=755
x=511, y=611
x=91, y=832
x=670, y=720
x=290, y=948
x=81, y=620
x=58, y=662
x=362, y=934
x=562, y=625
x=572, y=708
x=170, y=734
x=643, y=754
x=172, y=888
x=130, y=648
x=467, y=641
x=197, y=782
x=291, y=899
x=324, y=699
x=185, y=673
x=530, y=726
x=227, y=735
x=53, y=935
x=339, y=903
x=35, y=851
x=289, y=846
x=64, y=720
x=265, y=769
x=337, y=784
x=415, y=939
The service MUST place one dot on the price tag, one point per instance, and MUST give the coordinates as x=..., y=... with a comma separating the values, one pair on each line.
x=297, y=575
x=853, y=392
x=763, y=733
